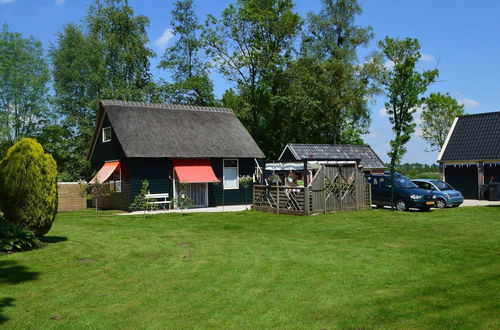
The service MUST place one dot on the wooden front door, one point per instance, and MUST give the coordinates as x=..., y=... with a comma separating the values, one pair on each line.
x=198, y=192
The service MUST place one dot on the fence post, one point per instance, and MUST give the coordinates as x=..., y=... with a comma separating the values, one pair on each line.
x=306, y=201
x=253, y=196
x=278, y=197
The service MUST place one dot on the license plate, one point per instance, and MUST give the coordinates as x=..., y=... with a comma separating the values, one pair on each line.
x=429, y=203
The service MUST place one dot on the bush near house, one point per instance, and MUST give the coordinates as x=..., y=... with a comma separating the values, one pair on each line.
x=14, y=238
x=28, y=187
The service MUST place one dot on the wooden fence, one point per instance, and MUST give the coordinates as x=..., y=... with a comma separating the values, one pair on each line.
x=70, y=198
x=334, y=188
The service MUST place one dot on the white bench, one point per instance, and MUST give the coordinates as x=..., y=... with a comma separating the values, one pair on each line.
x=161, y=199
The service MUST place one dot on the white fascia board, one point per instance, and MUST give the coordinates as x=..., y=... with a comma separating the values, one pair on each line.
x=450, y=133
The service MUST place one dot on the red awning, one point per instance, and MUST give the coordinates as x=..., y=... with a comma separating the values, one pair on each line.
x=105, y=172
x=194, y=170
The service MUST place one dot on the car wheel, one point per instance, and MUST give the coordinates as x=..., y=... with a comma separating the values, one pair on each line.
x=440, y=203
x=401, y=205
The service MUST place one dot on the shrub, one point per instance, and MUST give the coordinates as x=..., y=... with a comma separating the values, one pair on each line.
x=141, y=202
x=14, y=238
x=28, y=186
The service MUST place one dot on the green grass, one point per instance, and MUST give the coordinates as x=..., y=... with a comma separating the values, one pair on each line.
x=425, y=175
x=367, y=269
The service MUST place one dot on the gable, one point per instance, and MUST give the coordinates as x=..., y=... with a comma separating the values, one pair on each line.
x=105, y=151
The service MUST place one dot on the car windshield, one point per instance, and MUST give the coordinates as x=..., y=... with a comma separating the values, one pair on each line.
x=405, y=183
x=443, y=185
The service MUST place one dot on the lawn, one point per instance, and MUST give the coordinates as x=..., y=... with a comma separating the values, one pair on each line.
x=367, y=269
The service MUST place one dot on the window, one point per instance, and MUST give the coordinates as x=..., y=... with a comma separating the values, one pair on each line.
x=230, y=178
x=106, y=134
x=115, y=181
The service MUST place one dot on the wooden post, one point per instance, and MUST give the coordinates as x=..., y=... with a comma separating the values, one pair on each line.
x=304, y=173
x=278, y=196
x=441, y=172
x=253, y=196
x=306, y=201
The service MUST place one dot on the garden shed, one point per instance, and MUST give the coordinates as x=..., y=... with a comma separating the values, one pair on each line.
x=205, y=148
x=368, y=159
x=470, y=156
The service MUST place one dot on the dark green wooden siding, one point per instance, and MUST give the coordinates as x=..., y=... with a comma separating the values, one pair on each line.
x=158, y=172
x=105, y=151
x=216, y=194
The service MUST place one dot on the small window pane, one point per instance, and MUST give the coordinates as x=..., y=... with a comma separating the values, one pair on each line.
x=230, y=178
x=106, y=134
x=230, y=163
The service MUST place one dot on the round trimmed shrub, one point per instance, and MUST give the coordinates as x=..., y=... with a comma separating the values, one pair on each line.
x=28, y=187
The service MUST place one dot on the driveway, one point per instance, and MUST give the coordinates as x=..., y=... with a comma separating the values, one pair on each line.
x=475, y=202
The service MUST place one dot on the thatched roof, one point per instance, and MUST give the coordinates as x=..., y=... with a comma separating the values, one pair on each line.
x=179, y=131
x=368, y=158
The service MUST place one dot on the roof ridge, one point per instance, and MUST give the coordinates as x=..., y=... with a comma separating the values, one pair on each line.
x=165, y=106
x=329, y=144
x=479, y=114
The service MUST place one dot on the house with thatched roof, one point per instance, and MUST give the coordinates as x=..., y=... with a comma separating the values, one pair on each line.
x=205, y=149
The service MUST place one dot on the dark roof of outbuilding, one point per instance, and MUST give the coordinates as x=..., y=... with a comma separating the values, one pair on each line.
x=180, y=131
x=473, y=137
x=368, y=157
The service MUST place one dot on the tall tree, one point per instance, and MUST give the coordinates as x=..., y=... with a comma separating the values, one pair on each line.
x=190, y=74
x=439, y=111
x=24, y=78
x=105, y=58
x=330, y=81
x=251, y=44
x=404, y=86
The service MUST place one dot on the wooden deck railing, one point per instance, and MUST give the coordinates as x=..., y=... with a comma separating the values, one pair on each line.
x=332, y=189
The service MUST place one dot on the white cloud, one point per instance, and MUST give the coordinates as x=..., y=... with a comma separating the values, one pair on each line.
x=389, y=64
x=426, y=57
x=60, y=2
x=383, y=112
x=162, y=41
x=7, y=1
x=469, y=103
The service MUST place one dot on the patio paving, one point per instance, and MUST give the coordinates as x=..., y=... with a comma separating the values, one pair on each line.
x=475, y=202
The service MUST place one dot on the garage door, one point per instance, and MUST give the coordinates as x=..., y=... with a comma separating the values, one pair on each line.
x=463, y=179
x=491, y=173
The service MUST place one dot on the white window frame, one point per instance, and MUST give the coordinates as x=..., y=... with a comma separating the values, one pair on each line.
x=104, y=135
x=116, y=185
x=237, y=174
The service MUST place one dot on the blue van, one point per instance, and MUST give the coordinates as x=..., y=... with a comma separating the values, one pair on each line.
x=406, y=193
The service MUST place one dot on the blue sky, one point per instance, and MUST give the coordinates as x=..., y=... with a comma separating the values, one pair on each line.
x=455, y=36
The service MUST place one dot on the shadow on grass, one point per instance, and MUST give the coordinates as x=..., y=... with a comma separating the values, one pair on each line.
x=54, y=239
x=5, y=302
x=12, y=273
x=388, y=208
